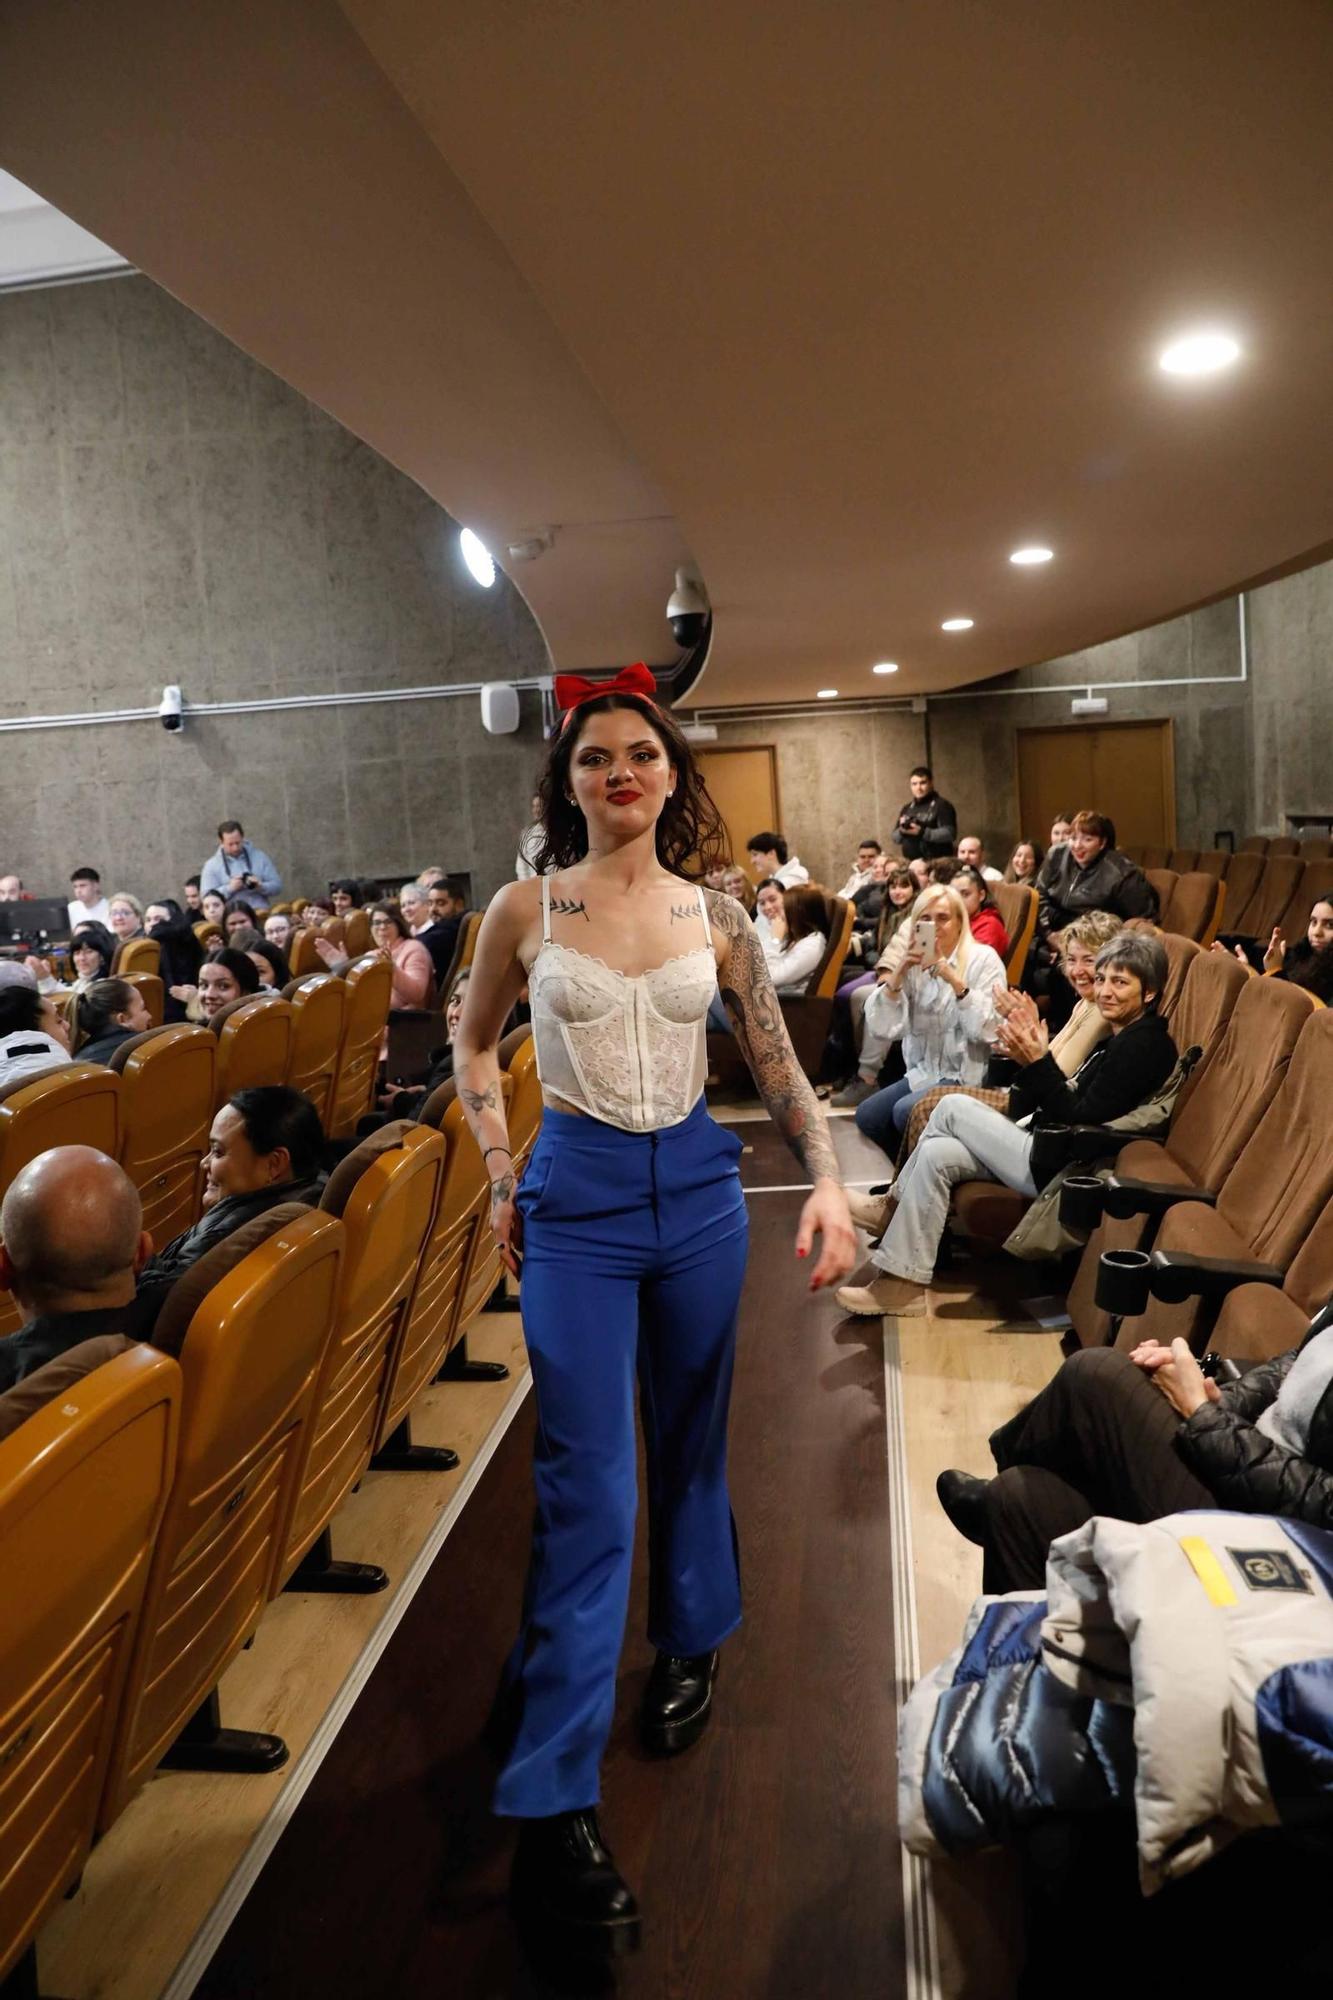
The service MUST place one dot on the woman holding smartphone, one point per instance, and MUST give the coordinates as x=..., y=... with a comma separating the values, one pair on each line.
x=631, y=1228
x=935, y=993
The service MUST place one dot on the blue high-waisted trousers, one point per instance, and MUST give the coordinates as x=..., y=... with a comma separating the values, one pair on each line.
x=633, y=1258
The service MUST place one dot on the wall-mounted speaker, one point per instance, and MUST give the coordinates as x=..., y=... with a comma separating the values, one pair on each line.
x=499, y=708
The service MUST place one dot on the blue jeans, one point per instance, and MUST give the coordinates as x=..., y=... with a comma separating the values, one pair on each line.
x=634, y=1250
x=883, y=1117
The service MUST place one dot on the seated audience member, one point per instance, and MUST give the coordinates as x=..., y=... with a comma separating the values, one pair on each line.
x=112, y=1011
x=868, y=908
x=863, y=869
x=919, y=870
x=126, y=919
x=795, y=938
x=230, y=976
x=713, y=877
x=318, y=910
x=1308, y=962
x=238, y=865
x=768, y=914
x=213, y=907
x=264, y=1148
x=839, y=1060
x=193, y=896
x=73, y=1241
x=1024, y=864
x=91, y=949
x=433, y=873
x=409, y=957
x=33, y=1034
x=943, y=870
x=735, y=882
x=982, y=914
x=345, y=895
x=87, y=904
x=1090, y=873
x=270, y=963
x=1062, y=826
x=414, y=903
x=927, y=826
x=181, y=953
x=771, y=862
x=939, y=1003
x=239, y=916
x=405, y=1100
x=529, y=843
x=966, y=1140
x=973, y=855
x=278, y=930
x=1140, y=1435
x=448, y=907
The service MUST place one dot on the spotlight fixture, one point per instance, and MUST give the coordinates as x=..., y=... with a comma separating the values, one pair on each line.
x=885, y=667
x=826, y=694
x=478, y=557
x=1028, y=558
x=956, y=625
x=1204, y=352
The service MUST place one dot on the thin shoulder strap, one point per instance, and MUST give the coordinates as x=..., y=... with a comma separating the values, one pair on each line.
x=703, y=911
x=546, y=909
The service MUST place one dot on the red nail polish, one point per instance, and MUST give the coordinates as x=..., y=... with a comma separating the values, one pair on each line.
x=802, y=1253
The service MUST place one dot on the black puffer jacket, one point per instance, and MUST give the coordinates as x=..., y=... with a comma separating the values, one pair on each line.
x=1243, y=1467
x=1111, y=881
x=1121, y=1073
x=939, y=828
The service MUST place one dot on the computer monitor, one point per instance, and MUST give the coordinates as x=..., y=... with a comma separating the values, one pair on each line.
x=42, y=919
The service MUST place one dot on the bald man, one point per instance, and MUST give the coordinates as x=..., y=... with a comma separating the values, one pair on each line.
x=73, y=1244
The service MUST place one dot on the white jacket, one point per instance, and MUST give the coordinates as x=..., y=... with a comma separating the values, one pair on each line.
x=944, y=1036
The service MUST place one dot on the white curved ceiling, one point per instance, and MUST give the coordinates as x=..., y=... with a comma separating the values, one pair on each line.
x=842, y=303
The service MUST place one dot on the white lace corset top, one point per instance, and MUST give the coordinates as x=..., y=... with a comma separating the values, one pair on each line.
x=627, y=1048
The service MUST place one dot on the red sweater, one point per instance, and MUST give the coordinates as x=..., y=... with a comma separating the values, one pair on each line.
x=987, y=929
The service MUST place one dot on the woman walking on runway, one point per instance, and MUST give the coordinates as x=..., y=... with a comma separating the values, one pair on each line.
x=630, y=1231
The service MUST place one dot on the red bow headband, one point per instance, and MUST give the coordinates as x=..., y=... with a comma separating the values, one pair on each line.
x=572, y=690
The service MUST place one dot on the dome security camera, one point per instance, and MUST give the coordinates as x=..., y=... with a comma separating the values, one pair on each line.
x=687, y=610
x=170, y=709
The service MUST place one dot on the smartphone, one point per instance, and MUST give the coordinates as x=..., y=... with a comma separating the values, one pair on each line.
x=923, y=939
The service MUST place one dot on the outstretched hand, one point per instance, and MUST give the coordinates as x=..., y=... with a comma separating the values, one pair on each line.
x=827, y=1215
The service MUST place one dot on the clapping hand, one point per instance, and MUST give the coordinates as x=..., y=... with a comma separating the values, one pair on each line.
x=1177, y=1374
x=1023, y=1035
x=1276, y=955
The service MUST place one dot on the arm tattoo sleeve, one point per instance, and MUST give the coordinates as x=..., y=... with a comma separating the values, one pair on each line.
x=761, y=1032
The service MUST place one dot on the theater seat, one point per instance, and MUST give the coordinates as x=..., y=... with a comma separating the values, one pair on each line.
x=83, y=1486
x=1018, y=906
x=168, y=1092
x=1195, y=907
x=319, y=1012
x=808, y=1014
x=1272, y=1197
x=254, y=1038
x=1153, y=857
x=1163, y=883
x=1183, y=860
x=460, y=1247
x=386, y=1192
x=1254, y=843
x=1244, y=874
x=369, y=988
x=1284, y=845
x=1314, y=848
x=1181, y=953
x=137, y=955
x=356, y=933
x=1213, y=861
x=151, y=991
x=518, y=1059
x=303, y=957
x=250, y=1324
x=71, y=1104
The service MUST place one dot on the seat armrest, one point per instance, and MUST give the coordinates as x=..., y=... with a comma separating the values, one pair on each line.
x=1124, y=1198
x=1094, y=1142
x=1177, y=1276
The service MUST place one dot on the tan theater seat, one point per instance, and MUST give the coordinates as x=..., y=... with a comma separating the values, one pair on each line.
x=1244, y=874
x=356, y=933
x=369, y=991
x=1272, y=898
x=251, y=1324
x=1284, y=846
x=1195, y=908
x=1213, y=861
x=71, y=1104
x=1258, y=1322
x=1018, y=906
x=1254, y=843
x=518, y=1058
x=386, y=1192
x=1152, y=857
x=1183, y=860
x=137, y=955
x=83, y=1486
x=151, y=991
x=1163, y=882
x=1181, y=953
x=254, y=1037
x=168, y=1091
x=303, y=957
x=319, y=1012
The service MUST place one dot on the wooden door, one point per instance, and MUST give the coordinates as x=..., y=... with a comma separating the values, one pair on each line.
x=1123, y=769
x=742, y=780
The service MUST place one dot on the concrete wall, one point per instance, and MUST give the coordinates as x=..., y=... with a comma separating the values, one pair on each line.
x=169, y=511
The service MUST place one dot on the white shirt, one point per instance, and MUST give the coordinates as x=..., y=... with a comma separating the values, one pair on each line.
x=792, y=970
x=28, y=1050
x=855, y=881
x=529, y=841
x=993, y=874
x=79, y=913
x=792, y=873
x=945, y=1036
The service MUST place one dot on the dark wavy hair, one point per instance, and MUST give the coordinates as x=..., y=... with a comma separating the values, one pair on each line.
x=690, y=835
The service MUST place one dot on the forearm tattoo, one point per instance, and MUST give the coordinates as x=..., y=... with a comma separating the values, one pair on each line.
x=756, y=1016
x=477, y=1101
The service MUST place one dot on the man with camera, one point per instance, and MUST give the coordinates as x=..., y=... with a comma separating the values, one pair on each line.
x=237, y=866
x=927, y=827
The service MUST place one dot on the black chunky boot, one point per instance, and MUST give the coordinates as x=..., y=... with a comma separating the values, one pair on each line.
x=677, y=1702
x=566, y=1893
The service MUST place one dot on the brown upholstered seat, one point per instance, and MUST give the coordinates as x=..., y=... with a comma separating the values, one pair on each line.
x=1153, y=857
x=1254, y=843
x=1183, y=860
x=302, y=956
x=1163, y=881
x=254, y=1037
x=251, y=1324
x=1315, y=886
x=335, y=930
x=168, y=1093
x=1284, y=845
x=1213, y=861
x=1216, y=1115
x=44, y=1384
x=151, y=991
x=319, y=1012
x=70, y=1104
x=369, y=990
x=1244, y=874
x=1256, y=1322
x=83, y=1485
x=1181, y=953
x=137, y=955
x=1314, y=848
x=1195, y=907
x=386, y=1192
x=356, y=933
x=1273, y=1195
x=1272, y=898
x=808, y=1014
x=1018, y=905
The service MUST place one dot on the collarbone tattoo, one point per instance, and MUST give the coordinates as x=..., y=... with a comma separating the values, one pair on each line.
x=566, y=906
x=682, y=912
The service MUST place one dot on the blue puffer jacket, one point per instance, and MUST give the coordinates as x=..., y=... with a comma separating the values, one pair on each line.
x=1187, y=1663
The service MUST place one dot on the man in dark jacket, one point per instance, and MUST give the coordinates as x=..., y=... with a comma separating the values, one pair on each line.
x=1140, y=1435
x=966, y=1140
x=1088, y=872
x=448, y=907
x=927, y=827
x=264, y=1148
x=73, y=1242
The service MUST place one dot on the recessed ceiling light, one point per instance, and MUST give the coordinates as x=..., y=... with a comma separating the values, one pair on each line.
x=1030, y=557
x=826, y=694
x=956, y=625
x=1201, y=353
x=477, y=557
x=885, y=667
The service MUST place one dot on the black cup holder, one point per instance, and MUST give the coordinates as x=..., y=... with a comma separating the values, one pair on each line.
x=1082, y=1201
x=1123, y=1282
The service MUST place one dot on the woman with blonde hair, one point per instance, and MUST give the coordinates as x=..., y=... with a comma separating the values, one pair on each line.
x=735, y=882
x=935, y=993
